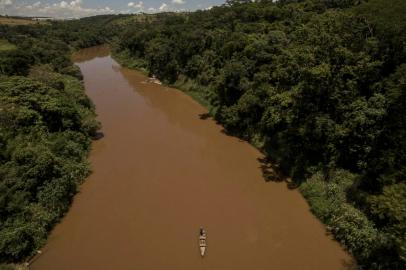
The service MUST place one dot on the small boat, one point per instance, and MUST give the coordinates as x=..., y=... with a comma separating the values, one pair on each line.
x=202, y=241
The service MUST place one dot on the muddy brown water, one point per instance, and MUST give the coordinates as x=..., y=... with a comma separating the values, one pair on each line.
x=159, y=173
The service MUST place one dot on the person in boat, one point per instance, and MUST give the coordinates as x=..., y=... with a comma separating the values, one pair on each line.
x=201, y=231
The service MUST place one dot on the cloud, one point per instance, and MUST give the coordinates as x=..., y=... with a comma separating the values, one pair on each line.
x=5, y=3
x=62, y=9
x=76, y=3
x=163, y=7
x=140, y=5
x=179, y=2
x=63, y=4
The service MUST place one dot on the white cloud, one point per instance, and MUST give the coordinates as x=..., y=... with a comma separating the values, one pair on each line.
x=63, y=4
x=163, y=7
x=81, y=8
x=178, y=2
x=62, y=9
x=139, y=6
x=76, y=3
x=6, y=2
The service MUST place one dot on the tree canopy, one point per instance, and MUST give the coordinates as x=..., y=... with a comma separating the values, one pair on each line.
x=317, y=85
x=46, y=125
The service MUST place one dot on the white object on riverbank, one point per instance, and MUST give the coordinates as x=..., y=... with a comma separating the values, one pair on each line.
x=153, y=79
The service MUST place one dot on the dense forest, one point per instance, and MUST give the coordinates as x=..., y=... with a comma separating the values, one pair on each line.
x=46, y=126
x=318, y=85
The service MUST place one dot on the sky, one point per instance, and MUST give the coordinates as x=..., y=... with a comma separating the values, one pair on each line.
x=83, y=8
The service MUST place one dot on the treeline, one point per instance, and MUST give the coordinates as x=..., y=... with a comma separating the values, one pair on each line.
x=46, y=126
x=53, y=43
x=319, y=85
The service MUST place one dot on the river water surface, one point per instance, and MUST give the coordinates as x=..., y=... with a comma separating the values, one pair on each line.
x=160, y=173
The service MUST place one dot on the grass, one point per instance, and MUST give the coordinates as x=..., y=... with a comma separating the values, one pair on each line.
x=195, y=90
x=6, y=46
x=127, y=61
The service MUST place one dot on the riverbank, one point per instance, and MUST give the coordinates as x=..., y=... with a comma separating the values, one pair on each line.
x=13, y=267
x=47, y=126
x=189, y=87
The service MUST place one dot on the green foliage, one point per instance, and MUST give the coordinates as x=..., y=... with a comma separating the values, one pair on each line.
x=45, y=140
x=6, y=267
x=389, y=209
x=52, y=43
x=6, y=46
x=46, y=122
x=348, y=224
x=128, y=61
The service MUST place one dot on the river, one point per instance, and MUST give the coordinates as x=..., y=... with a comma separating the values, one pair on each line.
x=159, y=173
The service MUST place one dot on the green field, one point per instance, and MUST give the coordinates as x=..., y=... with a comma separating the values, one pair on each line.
x=18, y=21
x=6, y=46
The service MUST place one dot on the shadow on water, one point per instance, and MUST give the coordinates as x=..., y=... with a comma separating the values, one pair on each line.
x=350, y=265
x=88, y=54
x=98, y=135
x=204, y=116
x=272, y=172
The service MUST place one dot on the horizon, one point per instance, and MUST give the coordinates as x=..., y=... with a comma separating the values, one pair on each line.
x=86, y=8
